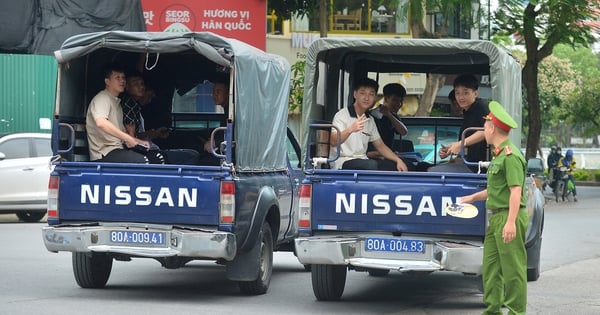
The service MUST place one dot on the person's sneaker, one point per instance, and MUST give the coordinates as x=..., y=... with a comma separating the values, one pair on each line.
x=575, y=198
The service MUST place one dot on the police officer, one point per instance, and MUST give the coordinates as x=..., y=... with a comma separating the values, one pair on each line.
x=504, y=255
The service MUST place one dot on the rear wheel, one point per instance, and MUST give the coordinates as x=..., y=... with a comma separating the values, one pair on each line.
x=328, y=281
x=533, y=254
x=261, y=284
x=91, y=270
x=30, y=216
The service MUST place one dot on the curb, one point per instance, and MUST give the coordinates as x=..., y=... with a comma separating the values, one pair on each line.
x=587, y=183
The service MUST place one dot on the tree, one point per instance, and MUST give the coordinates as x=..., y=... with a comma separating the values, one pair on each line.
x=541, y=25
x=557, y=83
x=581, y=108
x=586, y=105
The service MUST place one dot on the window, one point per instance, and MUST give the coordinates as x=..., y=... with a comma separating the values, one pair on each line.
x=363, y=16
x=292, y=154
x=195, y=100
x=42, y=147
x=15, y=148
x=428, y=140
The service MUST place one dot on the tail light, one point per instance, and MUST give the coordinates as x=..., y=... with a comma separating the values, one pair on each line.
x=53, y=197
x=227, y=204
x=305, y=202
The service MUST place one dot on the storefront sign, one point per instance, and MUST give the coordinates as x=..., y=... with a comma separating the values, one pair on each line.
x=243, y=20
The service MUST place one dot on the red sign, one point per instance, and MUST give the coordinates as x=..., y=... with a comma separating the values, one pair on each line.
x=243, y=20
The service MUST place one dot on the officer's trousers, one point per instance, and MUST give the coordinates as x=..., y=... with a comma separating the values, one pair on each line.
x=505, y=266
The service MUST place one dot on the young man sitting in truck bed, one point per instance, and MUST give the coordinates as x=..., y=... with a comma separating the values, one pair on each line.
x=134, y=98
x=108, y=141
x=386, y=117
x=466, y=89
x=357, y=129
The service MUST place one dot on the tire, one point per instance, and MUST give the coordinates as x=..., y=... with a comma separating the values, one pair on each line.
x=307, y=267
x=559, y=191
x=91, y=270
x=30, y=216
x=328, y=281
x=479, y=282
x=378, y=272
x=261, y=284
x=534, y=254
x=533, y=274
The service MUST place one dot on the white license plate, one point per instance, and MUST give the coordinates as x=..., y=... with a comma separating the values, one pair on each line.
x=379, y=244
x=137, y=237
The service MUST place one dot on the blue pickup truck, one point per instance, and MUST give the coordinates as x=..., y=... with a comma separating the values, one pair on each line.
x=380, y=221
x=235, y=206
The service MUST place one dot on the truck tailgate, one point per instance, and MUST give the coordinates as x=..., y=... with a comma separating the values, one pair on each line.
x=393, y=202
x=139, y=193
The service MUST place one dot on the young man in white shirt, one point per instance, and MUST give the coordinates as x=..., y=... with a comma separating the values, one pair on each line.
x=357, y=129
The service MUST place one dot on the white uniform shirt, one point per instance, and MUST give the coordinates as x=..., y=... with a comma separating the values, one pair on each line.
x=355, y=146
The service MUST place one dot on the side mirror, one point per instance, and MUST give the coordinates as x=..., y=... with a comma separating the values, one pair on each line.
x=535, y=166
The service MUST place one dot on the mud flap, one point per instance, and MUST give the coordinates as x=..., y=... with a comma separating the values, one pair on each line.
x=245, y=266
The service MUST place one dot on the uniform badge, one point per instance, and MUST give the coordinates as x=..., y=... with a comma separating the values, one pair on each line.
x=507, y=150
x=497, y=150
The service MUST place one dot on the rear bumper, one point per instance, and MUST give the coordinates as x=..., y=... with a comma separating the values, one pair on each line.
x=451, y=255
x=177, y=241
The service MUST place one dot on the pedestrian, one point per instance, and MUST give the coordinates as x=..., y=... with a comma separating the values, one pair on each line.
x=504, y=255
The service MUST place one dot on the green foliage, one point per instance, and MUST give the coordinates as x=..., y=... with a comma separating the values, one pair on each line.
x=597, y=175
x=541, y=25
x=285, y=8
x=297, y=87
x=584, y=106
x=583, y=59
x=583, y=175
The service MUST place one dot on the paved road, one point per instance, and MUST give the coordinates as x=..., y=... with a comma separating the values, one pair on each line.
x=35, y=281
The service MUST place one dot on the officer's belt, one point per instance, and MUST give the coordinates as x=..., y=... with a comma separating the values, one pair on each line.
x=494, y=211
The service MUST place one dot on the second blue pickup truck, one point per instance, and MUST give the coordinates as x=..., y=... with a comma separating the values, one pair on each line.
x=381, y=221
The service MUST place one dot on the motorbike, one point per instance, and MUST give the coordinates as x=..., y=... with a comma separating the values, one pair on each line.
x=563, y=185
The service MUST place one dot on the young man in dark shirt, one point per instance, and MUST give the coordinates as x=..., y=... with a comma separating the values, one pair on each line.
x=474, y=109
x=386, y=117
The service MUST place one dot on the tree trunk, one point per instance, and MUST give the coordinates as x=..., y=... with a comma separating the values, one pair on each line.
x=323, y=18
x=530, y=79
x=434, y=81
x=432, y=86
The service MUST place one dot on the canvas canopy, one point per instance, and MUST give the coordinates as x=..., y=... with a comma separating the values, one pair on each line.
x=328, y=59
x=260, y=89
